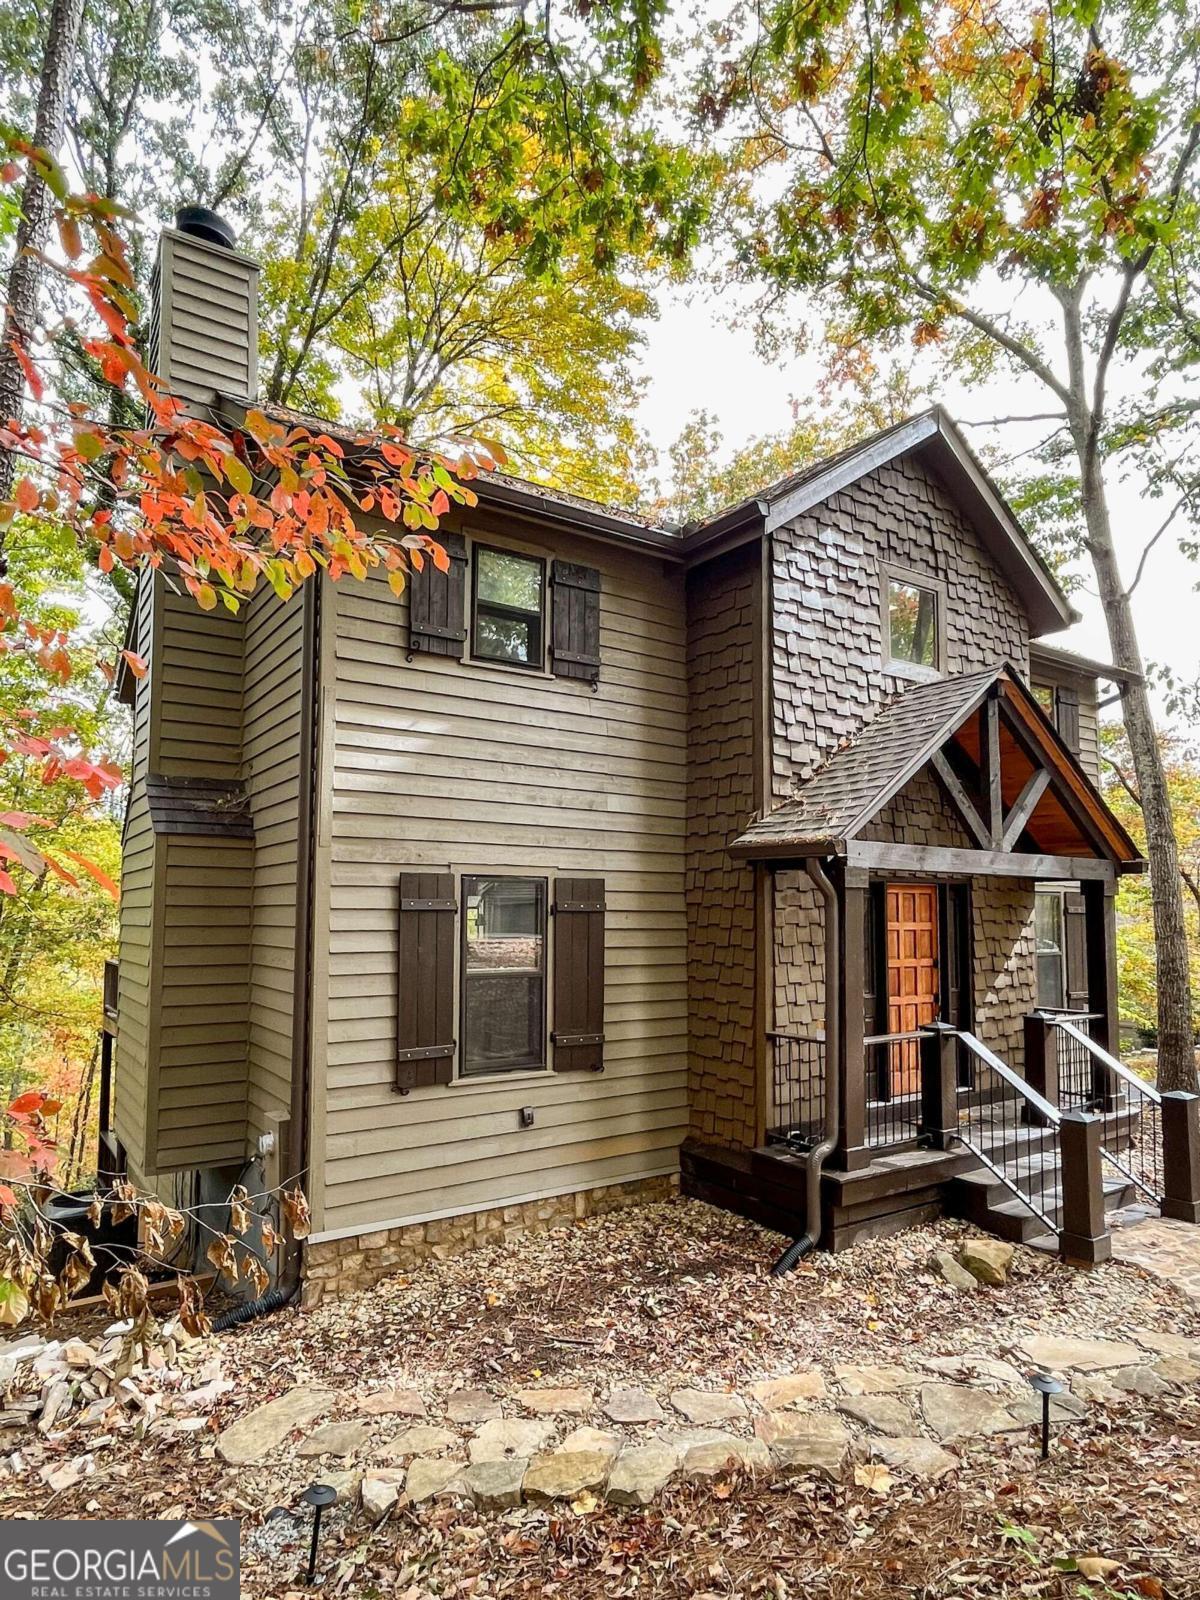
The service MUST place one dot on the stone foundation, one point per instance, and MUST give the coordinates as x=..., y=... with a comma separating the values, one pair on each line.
x=336, y=1267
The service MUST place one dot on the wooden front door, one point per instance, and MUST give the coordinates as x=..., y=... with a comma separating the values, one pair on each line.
x=912, y=975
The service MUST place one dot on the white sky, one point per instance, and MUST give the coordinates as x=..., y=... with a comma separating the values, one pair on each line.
x=695, y=361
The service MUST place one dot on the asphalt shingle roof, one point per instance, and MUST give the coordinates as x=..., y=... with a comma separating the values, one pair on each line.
x=861, y=777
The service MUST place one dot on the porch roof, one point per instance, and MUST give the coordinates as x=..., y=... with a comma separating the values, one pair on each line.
x=1044, y=809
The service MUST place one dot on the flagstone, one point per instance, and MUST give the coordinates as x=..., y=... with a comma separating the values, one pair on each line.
x=954, y=1411
x=628, y=1406
x=1079, y=1355
x=921, y=1458
x=776, y=1393
x=265, y=1428
x=702, y=1406
x=511, y=1436
x=556, y=1402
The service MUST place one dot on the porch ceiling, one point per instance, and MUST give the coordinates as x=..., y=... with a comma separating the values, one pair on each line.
x=999, y=760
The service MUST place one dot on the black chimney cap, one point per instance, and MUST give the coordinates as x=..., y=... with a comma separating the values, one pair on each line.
x=202, y=223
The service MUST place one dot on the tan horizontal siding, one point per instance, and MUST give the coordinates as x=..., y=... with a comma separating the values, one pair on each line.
x=453, y=766
x=271, y=717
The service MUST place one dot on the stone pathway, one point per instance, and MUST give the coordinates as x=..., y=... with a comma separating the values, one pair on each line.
x=1169, y=1250
x=537, y=1445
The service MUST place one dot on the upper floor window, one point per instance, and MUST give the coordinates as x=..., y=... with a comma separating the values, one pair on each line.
x=508, y=601
x=913, y=623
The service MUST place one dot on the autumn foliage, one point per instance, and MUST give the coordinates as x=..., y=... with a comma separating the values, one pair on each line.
x=220, y=509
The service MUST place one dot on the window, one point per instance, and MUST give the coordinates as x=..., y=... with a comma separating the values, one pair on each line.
x=1049, y=938
x=503, y=974
x=1043, y=693
x=507, y=603
x=912, y=623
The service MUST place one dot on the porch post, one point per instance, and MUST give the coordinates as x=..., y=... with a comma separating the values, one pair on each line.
x=1084, y=1239
x=1041, y=1062
x=852, y=1153
x=939, y=1084
x=1181, y=1156
x=1100, y=940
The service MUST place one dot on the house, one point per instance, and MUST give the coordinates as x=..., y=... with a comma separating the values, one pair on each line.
x=607, y=855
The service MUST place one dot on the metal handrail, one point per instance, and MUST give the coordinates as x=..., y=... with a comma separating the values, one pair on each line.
x=1110, y=1061
x=1147, y=1091
x=893, y=1038
x=1042, y=1106
x=1050, y=1115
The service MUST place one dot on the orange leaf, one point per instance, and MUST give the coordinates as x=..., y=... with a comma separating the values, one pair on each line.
x=135, y=663
x=49, y=1107
x=101, y=877
x=7, y=1197
x=7, y=886
x=26, y=495
x=31, y=1100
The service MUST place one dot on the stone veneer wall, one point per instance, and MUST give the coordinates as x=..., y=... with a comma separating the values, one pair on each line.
x=1005, y=975
x=828, y=675
x=722, y=641
x=335, y=1267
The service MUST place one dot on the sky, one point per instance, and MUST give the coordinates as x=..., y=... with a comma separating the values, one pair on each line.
x=695, y=360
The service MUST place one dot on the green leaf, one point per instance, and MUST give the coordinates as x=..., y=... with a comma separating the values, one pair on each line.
x=14, y=1303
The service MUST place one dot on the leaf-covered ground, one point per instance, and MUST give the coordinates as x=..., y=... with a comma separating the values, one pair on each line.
x=680, y=1292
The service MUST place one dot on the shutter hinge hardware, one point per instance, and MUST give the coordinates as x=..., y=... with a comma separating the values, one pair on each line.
x=429, y=905
x=566, y=1041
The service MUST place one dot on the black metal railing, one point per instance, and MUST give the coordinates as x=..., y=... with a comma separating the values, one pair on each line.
x=892, y=1072
x=1133, y=1137
x=797, y=1088
x=1012, y=1130
x=1080, y=1086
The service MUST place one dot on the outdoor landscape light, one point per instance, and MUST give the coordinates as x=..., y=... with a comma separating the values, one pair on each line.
x=1046, y=1386
x=318, y=1496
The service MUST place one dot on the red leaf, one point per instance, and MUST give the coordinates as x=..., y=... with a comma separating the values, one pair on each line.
x=31, y=1100
x=26, y=495
x=101, y=877
x=7, y=1197
x=7, y=886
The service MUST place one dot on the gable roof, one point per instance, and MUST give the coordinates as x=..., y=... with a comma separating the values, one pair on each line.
x=931, y=433
x=937, y=439
x=859, y=779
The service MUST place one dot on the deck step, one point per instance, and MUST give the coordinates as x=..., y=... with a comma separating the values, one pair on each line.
x=981, y=1197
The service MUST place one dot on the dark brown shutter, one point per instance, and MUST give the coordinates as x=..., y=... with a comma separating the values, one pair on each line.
x=425, y=1039
x=437, y=606
x=575, y=622
x=578, y=975
x=1075, y=940
x=1066, y=717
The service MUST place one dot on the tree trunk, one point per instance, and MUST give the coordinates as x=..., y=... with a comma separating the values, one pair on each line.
x=37, y=206
x=1176, y=1052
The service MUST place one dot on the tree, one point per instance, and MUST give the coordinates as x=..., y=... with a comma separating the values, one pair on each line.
x=456, y=338
x=1014, y=188
x=36, y=215
x=1135, y=912
x=705, y=481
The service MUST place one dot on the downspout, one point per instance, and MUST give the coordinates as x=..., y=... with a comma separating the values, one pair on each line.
x=288, y=1284
x=833, y=1042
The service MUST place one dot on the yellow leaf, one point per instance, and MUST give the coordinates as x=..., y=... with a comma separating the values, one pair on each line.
x=1096, y=1566
x=875, y=1477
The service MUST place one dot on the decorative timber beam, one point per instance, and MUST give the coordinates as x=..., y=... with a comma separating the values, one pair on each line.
x=963, y=803
x=1024, y=806
x=989, y=767
x=881, y=857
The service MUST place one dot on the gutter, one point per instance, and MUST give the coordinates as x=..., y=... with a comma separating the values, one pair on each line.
x=833, y=1080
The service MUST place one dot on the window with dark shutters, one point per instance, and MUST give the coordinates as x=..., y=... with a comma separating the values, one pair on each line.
x=578, y=1035
x=575, y=622
x=437, y=602
x=425, y=1042
x=1066, y=717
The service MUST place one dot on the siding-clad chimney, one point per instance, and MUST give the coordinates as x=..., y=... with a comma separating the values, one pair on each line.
x=203, y=339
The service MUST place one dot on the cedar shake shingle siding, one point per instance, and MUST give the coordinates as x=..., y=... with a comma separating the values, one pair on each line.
x=722, y=707
x=828, y=668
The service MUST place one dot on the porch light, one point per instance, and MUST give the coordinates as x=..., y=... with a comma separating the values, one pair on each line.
x=1047, y=1387
x=318, y=1496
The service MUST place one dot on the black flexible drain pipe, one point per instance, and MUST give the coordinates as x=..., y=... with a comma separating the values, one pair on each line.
x=800, y=1247
x=273, y=1300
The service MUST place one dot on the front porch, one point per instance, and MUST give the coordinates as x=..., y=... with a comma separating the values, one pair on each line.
x=906, y=1058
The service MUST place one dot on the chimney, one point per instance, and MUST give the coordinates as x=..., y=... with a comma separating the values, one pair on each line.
x=203, y=336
